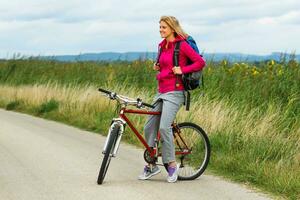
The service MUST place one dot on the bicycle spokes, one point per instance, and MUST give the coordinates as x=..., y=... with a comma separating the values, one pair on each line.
x=192, y=150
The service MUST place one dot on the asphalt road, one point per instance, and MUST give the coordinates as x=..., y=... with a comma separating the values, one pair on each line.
x=41, y=159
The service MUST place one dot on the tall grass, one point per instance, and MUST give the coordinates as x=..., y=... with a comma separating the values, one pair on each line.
x=250, y=110
x=250, y=84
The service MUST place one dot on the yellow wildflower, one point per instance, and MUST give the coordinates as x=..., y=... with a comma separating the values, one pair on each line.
x=254, y=73
x=272, y=62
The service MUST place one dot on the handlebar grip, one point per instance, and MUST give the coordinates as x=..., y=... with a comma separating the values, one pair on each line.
x=148, y=105
x=104, y=91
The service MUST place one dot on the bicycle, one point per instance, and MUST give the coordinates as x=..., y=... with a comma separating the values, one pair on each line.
x=192, y=147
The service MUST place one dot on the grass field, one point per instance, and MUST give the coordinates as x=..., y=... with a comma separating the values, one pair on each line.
x=251, y=111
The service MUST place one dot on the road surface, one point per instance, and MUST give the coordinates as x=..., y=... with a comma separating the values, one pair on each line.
x=41, y=159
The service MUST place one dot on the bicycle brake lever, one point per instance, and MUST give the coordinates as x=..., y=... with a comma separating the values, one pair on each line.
x=139, y=103
x=113, y=95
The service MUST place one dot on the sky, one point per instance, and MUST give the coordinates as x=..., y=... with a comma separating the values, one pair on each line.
x=71, y=27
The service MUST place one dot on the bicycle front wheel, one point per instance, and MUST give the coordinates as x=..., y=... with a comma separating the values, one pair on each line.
x=108, y=153
x=192, y=150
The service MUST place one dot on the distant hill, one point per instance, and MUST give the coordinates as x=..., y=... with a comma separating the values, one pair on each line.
x=130, y=56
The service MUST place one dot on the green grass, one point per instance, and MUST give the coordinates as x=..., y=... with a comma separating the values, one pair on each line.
x=251, y=111
x=13, y=105
x=48, y=106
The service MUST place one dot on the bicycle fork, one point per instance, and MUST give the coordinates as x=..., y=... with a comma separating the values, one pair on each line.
x=116, y=122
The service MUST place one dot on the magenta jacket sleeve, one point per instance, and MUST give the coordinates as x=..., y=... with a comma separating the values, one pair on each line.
x=198, y=62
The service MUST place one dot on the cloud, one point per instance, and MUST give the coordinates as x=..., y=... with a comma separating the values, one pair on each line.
x=73, y=26
x=292, y=18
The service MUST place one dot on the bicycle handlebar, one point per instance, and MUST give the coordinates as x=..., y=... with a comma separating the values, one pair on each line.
x=104, y=91
x=138, y=103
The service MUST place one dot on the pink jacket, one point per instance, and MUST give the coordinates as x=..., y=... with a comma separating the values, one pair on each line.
x=166, y=78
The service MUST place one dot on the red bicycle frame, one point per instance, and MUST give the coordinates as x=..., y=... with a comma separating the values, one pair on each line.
x=152, y=152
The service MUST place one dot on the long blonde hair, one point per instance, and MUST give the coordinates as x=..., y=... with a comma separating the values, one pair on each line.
x=174, y=24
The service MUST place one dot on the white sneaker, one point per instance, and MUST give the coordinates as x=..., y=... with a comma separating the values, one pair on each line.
x=148, y=172
x=173, y=174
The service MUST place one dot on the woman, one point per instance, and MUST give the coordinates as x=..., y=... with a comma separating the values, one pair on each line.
x=170, y=93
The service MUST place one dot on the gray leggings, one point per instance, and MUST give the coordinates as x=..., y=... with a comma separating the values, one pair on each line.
x=169, y=104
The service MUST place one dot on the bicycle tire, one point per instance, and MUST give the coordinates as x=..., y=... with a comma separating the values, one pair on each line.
x=108, y=153
x=201, y=150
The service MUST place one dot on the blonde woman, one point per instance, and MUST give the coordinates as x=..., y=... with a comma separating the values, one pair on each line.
x=170, y=94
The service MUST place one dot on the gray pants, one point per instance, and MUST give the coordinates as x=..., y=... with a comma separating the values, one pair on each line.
x=169, y=104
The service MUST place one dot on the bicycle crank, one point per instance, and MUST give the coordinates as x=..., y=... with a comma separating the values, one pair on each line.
x=148, y=158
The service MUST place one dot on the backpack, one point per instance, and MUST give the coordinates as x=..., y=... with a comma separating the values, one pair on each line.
x=191, y=80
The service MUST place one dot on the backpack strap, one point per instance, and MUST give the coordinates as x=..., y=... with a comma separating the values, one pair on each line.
x=187, y=100
x=176, y=60
x=176, y=54
x=158, y=55
x=176, y=64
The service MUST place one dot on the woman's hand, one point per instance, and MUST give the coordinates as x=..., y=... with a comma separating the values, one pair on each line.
x=177, y=70
x=156, y=67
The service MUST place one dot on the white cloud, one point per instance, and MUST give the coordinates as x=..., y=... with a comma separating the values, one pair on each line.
x=73, y=26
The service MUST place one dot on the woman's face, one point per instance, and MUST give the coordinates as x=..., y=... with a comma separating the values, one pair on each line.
x=165, y=30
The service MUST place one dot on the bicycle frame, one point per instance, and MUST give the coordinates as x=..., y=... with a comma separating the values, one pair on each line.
x=152, y=152
x=122, y=115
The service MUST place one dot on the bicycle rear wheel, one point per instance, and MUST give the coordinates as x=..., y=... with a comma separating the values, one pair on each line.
x=108, y=153
x=193, y=150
